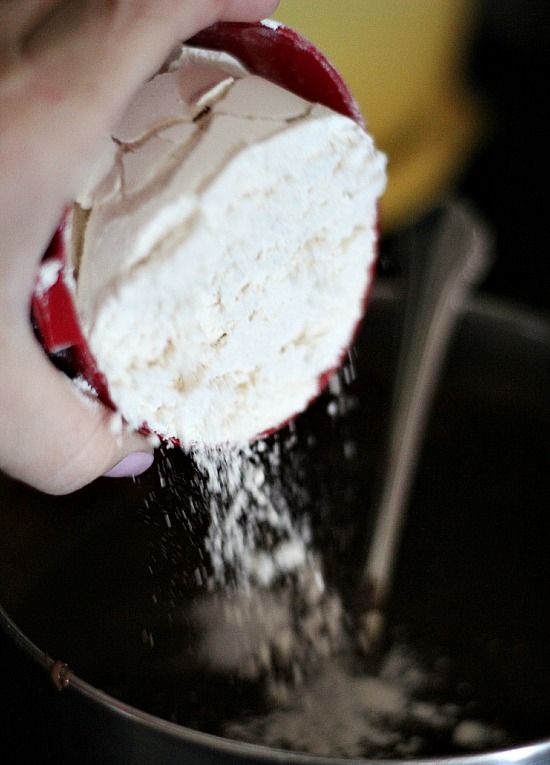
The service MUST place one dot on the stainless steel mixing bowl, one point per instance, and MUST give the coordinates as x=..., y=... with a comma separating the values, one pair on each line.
x=473, y=576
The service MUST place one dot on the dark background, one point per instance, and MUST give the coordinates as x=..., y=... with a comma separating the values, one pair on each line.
x=508, y=178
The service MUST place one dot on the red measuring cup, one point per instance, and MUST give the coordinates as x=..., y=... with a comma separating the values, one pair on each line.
x=268, y=49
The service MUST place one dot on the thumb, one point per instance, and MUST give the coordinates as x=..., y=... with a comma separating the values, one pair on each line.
x=54, y=437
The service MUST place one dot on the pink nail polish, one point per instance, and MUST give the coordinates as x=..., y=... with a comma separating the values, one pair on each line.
x=134, y=464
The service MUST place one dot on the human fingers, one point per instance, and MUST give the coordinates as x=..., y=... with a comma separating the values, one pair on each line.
x=53, y=436
x=77, y=70
x=248, y=10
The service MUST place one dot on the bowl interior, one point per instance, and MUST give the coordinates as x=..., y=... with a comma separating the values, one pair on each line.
x=106, y=579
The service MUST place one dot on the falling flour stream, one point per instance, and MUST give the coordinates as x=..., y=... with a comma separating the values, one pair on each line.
x=269, y=620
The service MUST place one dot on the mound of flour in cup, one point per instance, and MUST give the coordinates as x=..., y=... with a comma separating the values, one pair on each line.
x=222, y=249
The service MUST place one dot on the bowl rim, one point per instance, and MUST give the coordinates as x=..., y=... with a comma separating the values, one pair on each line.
x=525, y=754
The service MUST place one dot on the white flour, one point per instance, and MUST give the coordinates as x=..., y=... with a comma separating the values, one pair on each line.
x=223, y=247
x=267, y=618
x=48, y=274
x=343, y=712
x=253, y=538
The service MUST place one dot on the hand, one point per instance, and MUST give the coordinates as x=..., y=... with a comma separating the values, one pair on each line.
x=67, y=70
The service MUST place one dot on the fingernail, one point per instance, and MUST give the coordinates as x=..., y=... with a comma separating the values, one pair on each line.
x=134, y=464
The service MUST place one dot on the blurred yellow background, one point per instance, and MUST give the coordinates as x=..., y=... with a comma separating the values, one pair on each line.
x=404, y=61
